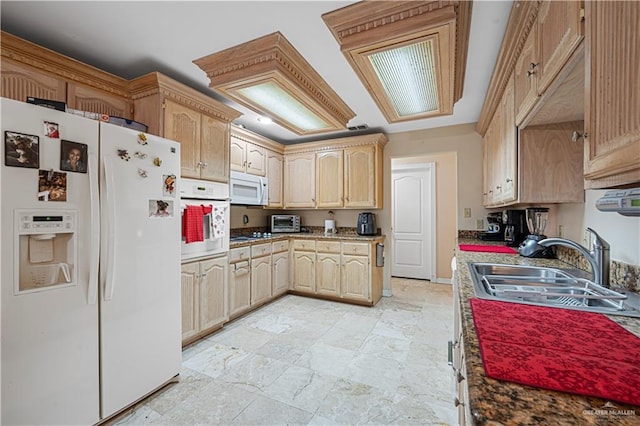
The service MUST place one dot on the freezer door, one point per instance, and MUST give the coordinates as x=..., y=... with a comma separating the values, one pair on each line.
x=139, y=265
x=49, y=332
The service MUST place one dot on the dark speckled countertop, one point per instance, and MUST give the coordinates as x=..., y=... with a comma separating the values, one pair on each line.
x=494, y=402
x=309, y=235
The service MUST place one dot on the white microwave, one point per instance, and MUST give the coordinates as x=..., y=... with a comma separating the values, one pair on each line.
x=248, y=189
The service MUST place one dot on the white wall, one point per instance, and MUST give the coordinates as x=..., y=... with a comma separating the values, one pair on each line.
x=621, y=232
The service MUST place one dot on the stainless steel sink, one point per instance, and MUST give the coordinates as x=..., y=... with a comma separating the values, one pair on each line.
x=548, y=287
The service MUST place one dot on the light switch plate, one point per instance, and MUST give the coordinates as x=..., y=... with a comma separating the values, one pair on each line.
x=480, y=224
x=467, y=212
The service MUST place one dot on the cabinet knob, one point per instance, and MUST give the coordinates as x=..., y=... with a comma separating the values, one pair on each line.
x=509, y=180
x=532, y=70
x=498, y=187
x=199, y=164
x=577, y=135
x=249, y=164
x=457, y=402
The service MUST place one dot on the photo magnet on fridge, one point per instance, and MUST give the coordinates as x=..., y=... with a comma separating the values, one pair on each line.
x=169, y=186
x=73, y=157
x=52, y=186
x=160, y=208
x=51, y=130
x=21, y=150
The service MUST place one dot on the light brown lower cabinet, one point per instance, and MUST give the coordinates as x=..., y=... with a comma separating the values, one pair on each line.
x=280, y=268
x=239, y=281
x=204, y=297
x=337, y=270
x=260, y=279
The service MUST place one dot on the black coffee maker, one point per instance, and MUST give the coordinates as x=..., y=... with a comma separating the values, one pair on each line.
x=495, y=230
x=515, y=228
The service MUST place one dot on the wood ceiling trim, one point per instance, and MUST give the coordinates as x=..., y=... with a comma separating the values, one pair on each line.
x=521, y=19
x=273, y=56
x=369, y=23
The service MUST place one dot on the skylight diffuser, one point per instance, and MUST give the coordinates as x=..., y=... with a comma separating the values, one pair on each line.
x=408, y=76
x=409, y=55
x=270, y=77
x=271, y=97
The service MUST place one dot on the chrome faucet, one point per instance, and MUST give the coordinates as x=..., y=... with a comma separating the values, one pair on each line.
x=598, y=257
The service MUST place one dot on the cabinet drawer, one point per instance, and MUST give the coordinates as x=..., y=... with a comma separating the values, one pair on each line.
x=240, y=253
x=279, y=246
x=355, y=248
x=328, y=246
x=304, y=245
x=260, y=249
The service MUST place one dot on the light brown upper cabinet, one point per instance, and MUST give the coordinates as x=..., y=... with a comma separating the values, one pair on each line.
x=200, y=123
x=247, y=157
x=329, y=179
x=335, y=173
x=30, y=70
x=557, y=31
x=275, y=174
x=612, y=113
x=299, y=180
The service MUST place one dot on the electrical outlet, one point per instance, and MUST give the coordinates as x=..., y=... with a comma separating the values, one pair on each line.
x=467, y=212
x=586, y=238
x=480, y=224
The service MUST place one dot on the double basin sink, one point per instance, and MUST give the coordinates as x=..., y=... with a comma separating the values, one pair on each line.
x=544, y=286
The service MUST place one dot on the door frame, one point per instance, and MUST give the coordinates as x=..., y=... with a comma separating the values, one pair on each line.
x=430, y=168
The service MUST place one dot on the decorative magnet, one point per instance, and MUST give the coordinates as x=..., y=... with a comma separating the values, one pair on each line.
x=51, y=130
x=169, y=185
x=140, y=155
x=52, y=186
x=157, y=161
x=142, y=139
x=124, y=154
x=142, y=173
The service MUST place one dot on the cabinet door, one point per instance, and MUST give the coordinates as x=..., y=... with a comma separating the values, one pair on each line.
x=360, y=179
x=256, y=160
x=238, y=154
x=304, y=277
x=491, y=139
x=214, y=150
x=239, y=288
x=300, y=180
x=612, y=110
x=87, y=98
x=508, y=147
x=280, y=272
x=329, y=179
x=182, y=124
x=20, y=81
x=189, y=285
x=328, y=274
x=260, y=279
x=355, y=277
x=560, y=31
x=213, y=293
x=525, y=74
x=274, y=175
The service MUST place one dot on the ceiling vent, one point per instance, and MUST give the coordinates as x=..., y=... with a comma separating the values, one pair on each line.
x=358, y=127
x=410, y=55
x=270, y=77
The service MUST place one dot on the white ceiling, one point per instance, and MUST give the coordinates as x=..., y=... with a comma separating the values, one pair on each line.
x=130, y=39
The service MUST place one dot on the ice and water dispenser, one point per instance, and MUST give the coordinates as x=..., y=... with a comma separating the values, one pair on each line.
x=46, y=252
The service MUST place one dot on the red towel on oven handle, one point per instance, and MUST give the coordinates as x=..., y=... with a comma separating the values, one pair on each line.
x=192, y=224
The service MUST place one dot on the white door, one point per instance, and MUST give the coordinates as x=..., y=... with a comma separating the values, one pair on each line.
x=140, y=299
x=49, y=332
x=413, y=230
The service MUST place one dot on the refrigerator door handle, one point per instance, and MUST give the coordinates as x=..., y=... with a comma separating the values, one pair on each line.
x=111, y=229
x=95, y=233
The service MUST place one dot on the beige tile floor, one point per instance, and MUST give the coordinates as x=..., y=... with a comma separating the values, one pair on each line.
x=305, y=361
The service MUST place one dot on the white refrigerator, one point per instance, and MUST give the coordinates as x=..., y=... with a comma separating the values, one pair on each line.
x=90, y=266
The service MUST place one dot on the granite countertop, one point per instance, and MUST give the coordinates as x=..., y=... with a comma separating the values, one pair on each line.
x=499, y=402
x=307, y=235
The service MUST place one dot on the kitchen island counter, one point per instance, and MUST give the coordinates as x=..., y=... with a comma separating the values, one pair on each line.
x=499, y=402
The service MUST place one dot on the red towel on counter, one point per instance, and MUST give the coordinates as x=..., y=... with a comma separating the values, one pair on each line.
x=487, y=248
x=559, y=349
x=192, y=220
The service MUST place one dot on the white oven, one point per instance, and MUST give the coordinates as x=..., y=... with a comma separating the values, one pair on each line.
x=205, y=212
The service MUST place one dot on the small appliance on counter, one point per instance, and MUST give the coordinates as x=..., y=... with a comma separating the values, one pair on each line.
x=285, y=223
x=536, y=222
x=515, y=230
x=495, y=230
x=330, y=227
x=366, y=224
